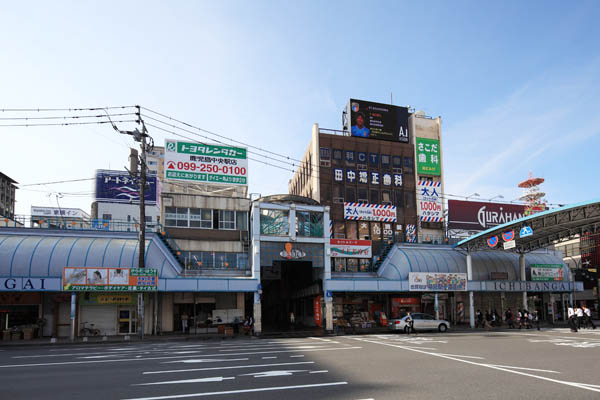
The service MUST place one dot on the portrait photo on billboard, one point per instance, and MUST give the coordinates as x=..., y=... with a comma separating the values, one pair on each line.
x=378, y=121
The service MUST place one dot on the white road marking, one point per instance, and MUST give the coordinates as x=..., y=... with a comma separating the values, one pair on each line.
x=460, y=355
x=321, y=339
x=525, y=369
x=297, y=356
x=511, y=370
x=167, y=358
x=274, y=373
x=205, y=360
x=266, y=389
x=422, y=348
x=314, y=346
x=323, y=371
x=198, y=380
x=227, y=367
x=268, y=358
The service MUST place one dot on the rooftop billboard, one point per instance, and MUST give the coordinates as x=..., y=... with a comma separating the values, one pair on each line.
x=120, y=187
x=378, y=121
x=480, y=216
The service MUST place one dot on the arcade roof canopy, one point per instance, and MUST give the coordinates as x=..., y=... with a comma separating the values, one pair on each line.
x=548, y=227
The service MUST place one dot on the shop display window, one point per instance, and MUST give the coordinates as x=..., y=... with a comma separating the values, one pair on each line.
x=340, y=264
x=352, y=265
x=274, y=222
x=309, y=223
x=351, y=230
x=364, y=264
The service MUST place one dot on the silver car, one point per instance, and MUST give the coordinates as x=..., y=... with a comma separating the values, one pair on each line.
x=422, y=322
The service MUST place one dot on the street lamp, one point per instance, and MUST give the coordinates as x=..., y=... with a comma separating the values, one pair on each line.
x=497, y=197
x=472, y=195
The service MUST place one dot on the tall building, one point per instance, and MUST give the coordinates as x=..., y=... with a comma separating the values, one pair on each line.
x=7, y=197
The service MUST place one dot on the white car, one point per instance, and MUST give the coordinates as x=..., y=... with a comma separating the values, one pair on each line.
x=422, y=322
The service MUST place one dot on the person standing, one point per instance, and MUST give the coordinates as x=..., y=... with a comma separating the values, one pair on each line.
x=184, y=321
x=509, y=319
x=520, y=317
x=410, y=324
x=572, y=318
x=588, y=317
x=478, y=319
x=536, y=319
x=292, y=320
x=579, y=315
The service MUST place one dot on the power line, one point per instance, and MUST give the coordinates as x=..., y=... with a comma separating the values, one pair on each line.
x=65, y=123
x=52, y=183
x=64, y=117
x=63, y=109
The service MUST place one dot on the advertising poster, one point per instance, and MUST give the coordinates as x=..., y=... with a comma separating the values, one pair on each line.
x=317, y=311
x=546, y=272
x=86, y=279
x=369, y=212
x=480, y=216
x=205, y=163
x=429, y=201
x=350, y=248
x=378, y=121
x=429, y=160
x=437, y=282
x=120, y=187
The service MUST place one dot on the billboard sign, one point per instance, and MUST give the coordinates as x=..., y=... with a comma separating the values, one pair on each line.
x=120, y=187
x=429, y=201
x=429, y=160
x=369, y=212
x=378, y=121
x=205, y=163
x=480, y=216
x=86, y=279
x=350, y=248
x=437, y=282
x=58, y=212
x=546, y=272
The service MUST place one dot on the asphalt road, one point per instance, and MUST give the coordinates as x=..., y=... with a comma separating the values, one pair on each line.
x=550, y=364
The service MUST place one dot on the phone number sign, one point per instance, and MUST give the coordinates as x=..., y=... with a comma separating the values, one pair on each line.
x=205, y=163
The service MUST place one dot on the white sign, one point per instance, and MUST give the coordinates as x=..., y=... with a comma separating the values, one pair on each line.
x=58, y=212
x=29, y=284
x=437, y=282
x=429, y=201
x=205, y=163
x=350, y=248
x=509, y=245
x=369, y=212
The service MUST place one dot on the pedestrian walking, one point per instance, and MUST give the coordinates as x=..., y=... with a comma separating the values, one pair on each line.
x=588, y=317
x=536, y=319
x=572, y=318
x=478, y=319
x=184, y=322
x=521, y=319
x=579, y=315
x=410, y=324
x=508, y=316
x=488, y=321
x=292, y=320
x=249, y=325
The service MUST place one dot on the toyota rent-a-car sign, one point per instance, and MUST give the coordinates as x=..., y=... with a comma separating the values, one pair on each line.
x=205, y=163
x=369, y=212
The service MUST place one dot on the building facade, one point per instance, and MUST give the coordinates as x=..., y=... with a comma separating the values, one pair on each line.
x=8, y=187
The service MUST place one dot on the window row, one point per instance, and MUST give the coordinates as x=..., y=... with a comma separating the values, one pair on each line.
x=361, y=157
x=215, y=260
x=375, y=231
x=276, y=223
x=352, y=265
x=350, y=194
x=183, y=217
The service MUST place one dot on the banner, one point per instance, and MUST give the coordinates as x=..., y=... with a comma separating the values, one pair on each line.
x=317, y=311
x=429, y=160
x=437, y=282
x=85, y=279
x=120, y=187
x=480, y=216
x=369, y=212
x=378, y=121
x=205, y=163
x=546, y=272
x=429, y=201
x=347, y=248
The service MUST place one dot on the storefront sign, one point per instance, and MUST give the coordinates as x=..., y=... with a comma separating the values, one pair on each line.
x=110, y=279
x=437, y=282
x=58, y=212
x=479, y=216
x=526, y=286
x=107, y=298
x=282, y=251
x=546, y=272
x=350, y=248
x=429, y=201
x=29, y=284
x=428, y=156
x=406, y=300
x=369, y=212
x=499, y=276
x=205, y=163
x=317, y=311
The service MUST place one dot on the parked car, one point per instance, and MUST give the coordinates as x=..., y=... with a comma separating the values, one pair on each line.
x=422, y=322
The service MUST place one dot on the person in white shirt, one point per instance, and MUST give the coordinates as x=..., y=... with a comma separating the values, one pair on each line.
x=588, y=317
x=572, y=317
x=579, y=315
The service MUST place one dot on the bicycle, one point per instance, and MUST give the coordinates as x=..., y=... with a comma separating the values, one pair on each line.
x=85, y=331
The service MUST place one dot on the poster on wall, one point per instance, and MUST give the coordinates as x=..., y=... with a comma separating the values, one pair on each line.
x=437, y=282
x=546, y=272
x=317, y=311
x=90, y=279
x=429, y=201
x=350, y=248
x=369, y=212
x=378, y=121
x=429, y=160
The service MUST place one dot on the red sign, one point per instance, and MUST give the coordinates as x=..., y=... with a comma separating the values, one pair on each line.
x=317, y=311
x=480, y=216
x=407, y=300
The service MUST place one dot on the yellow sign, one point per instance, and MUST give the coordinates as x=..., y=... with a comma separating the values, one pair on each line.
x=114, y=299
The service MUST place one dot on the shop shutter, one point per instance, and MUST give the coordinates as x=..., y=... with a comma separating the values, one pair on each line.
x=103, y=318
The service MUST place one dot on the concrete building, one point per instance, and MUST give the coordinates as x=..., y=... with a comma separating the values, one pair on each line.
x=8, y=187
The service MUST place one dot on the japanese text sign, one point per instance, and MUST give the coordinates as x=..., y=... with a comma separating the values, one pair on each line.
x=345, y=248
x=88, y=279
x=429, y=201
x=436, y=282
x=428, y=156
x=369, y=212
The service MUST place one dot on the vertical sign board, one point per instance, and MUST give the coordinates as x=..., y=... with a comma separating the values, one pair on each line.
x=205, y=163
x=378, y=121
x=428, y=156
x=317, y=311
x=429, y=201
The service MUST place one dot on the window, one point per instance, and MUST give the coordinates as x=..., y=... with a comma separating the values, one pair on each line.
x=364, y=264
x=399, y=198
x=170, y=216
x=226, y=219
x=338, y=193
x=201, y=218
x=337, y=154
x=386, y=197
x=274, y=222
x=325, y=153
x=374, y=196
x=309, y=223
x=363, y=196
x=340, y=264
x=148, y=218
x=350, y=195
x=241, y=218
x=385, y=161
x=408, y=164
x=107, y=217
x=352, y=265
x=408, y=200
x=351, y=230
x=397, y=161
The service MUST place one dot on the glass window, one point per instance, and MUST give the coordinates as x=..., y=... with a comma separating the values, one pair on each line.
x=350, y=195
x=386, y=198
x=274, y=222
x=363, y=230
x=337, y=154
x=325, y=153
x=309, y=223
x=340, y=264
x=363, y=196
x=352, y=265
x=364, y=264
x=374, y=196
x=408, y=200
x=339, y=230
x=107, y=217
x=226, y=219
x=200, y=218
x=351, y=230
x=241, y=220
x=397, y=161
x=170, y=216
x=408, y=164
x=385, y=161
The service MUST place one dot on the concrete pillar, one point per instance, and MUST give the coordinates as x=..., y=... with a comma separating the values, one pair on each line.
x=469, y=278
x=257, y=314
x=73, y=314
x=523, y=278
x=437, y=306
x=292, y=222
x=327, y=273
x=255, y=251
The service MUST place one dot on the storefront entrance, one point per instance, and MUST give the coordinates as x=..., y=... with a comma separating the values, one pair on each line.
x=287, y=286
x=127, y=321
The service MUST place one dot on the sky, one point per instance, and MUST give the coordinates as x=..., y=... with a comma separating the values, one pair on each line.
x=516, y=83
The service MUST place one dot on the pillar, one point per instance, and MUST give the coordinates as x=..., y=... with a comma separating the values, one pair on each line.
x=523, y=278
x=469, y=279
x=327, y=272
x=437, y=306
x=257, y=313
x=73, y=313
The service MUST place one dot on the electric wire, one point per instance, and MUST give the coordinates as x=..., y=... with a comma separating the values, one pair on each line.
x=65, y=123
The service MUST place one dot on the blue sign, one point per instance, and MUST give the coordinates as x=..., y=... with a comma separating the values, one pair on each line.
x=493, y=241
x=120, y=187
x=526, y=231
x=362, y=157
x=101, y=224
x=328, y=294
x=508, y=235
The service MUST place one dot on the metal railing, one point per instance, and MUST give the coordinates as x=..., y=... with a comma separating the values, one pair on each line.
x=70, y=223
